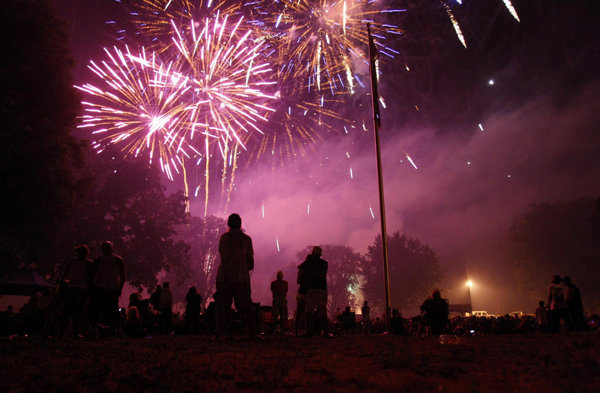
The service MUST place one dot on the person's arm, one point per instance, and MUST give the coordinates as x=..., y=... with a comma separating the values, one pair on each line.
x=250, y=256
x=121, y=266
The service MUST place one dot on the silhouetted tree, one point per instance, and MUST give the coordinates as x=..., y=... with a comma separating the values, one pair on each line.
x=414, y=270
x=558, y=239
x=127, y=204
x=202, y=236
x=38, y=108
x=343, y=275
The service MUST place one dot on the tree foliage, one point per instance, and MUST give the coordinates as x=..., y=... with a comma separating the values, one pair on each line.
x=414, y=270
x=343, y=275
x=557, y=238
x=38, y=108
x=127, y=204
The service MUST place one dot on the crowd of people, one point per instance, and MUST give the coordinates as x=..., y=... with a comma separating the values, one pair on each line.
x=85, y=304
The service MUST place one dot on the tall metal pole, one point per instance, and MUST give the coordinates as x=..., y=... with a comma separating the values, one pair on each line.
x=376, y=125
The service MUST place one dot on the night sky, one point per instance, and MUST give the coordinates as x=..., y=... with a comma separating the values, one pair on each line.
x=484, y=151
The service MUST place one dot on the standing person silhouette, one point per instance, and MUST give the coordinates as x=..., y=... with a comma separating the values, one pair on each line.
x=558, y=305
x=109, y=278
x=574, y=304
x=233, y=279
x=314, y=277
x=366, y=317
x=279, y=288
x=78, y=280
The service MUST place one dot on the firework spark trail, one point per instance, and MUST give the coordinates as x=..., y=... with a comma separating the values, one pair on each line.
x=294, y=131
x=511, y=9
x=507, y=3
x=138, y=108
x=455, y=24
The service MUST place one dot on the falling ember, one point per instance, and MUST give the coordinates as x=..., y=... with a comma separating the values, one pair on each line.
x=277, y=243
x=372, y=214
x=308, y=209
x=480, y=127
x=351, y=174
x=263, y=210
x=511, y=9
x=411, y=161
x=456, y=26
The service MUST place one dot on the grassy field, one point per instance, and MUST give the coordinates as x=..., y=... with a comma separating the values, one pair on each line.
x=508, y=363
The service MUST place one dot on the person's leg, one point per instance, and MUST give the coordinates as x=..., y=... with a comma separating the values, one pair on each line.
x=283, y=315
x=223, y=307
x=300, y=314
x=243, y=303
x=275, y=314
x=322, y=312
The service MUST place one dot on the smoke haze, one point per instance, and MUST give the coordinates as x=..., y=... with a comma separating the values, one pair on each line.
x=460, y=200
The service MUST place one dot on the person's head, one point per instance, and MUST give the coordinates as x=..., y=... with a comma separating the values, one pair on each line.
x=192, y=291
x=556, y=279
x=234, y=221
x=436, y=294
x=366, y=303
x=82, y=251
x=107, y=247
x=541, y=303
x=567, y=280
x=158, y=287
x=280, y=274
x=317, y=251
x=166, y=284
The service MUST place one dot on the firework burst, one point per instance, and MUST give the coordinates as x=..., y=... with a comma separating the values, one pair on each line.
x=227, y=78
x=138, y=108
x=154, y=18
x=319, y=41
x=228, y=98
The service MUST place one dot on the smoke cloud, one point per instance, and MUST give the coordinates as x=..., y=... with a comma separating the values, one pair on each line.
x=460, y=200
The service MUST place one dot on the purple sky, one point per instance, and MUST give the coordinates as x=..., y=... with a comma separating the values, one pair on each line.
x=540, y=143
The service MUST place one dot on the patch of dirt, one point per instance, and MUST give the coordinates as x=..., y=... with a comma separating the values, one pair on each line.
x=507, y=363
